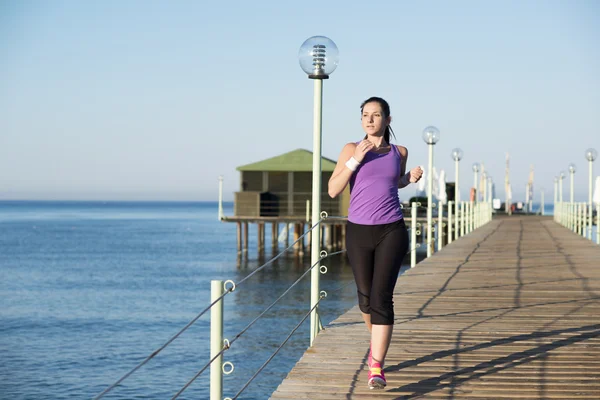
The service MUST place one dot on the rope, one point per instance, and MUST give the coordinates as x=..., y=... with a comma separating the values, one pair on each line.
x=163, y=346
x=156, y=352
x=201, y=371
x=280, y=254
x=277, y=351
x=256, y=319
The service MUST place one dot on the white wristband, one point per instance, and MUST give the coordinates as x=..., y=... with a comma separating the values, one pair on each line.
x=352, y=164
x=405, y=180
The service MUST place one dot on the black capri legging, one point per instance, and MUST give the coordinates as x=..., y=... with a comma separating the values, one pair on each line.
x=376, y=253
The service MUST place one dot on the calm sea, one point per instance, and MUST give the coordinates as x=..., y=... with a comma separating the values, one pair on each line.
x=90, y=289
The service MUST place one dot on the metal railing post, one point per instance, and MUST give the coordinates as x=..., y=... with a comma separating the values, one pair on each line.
x=216, y=340
x=597, y=223
x=591, y=222
x=584, y=220
x=440, y=229
x=450, y=204
x=462, y=218
x=413, y=234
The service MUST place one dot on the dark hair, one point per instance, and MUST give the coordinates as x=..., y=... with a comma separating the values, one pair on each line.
x=386, y=112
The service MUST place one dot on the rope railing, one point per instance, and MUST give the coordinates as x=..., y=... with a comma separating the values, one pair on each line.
x=161, y=348
x=227, y=291
x=230, y=343
x=322, y=296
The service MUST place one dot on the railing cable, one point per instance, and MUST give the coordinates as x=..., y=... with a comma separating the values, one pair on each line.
x=281, y=253
x=230, y=343
x=229, y=290
x=278, y=349
x=162, y=347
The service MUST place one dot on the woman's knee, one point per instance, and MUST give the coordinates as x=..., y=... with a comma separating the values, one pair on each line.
x=382, y=309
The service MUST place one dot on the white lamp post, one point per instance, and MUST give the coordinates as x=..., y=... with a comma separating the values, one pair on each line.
x=431, y=135
x=561, y=176
x=457, y=155
x=318, y=57
x=572, y=169
x=476, y=179
x=555, y=191
x=221, y=214
x=484, y=187
x=590, y=155
x=542, y=205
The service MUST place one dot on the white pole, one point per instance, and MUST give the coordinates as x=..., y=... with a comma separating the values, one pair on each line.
x=440, y=229
x=590, y=189
x=316, y=209
x=469, y=207
x=560, y=189
x=413, y=234
x=475, y=185
x=572, y=186
x=450, y=204
x=216, y=340
x=584, y=223
x=597, y=223
x=462, y=218
x=456, y=198
x=542, y=204
x=581, y=221
x=221, y=215
x=430, y=201
x=307, y=210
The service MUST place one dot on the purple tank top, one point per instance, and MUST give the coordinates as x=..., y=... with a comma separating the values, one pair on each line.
x=374, y=189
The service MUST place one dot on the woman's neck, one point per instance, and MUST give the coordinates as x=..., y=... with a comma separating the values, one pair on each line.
x=378, y=141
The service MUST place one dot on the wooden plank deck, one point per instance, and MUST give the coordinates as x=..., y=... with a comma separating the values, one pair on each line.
x=511, y=311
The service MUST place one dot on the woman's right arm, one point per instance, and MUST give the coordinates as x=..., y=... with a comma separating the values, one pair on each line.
x=341, y=174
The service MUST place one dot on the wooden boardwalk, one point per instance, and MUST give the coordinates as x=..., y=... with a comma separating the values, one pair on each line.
x=511, y=311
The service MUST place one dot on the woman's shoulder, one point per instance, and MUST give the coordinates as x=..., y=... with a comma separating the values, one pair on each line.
x=350, y=146
x=402, y=150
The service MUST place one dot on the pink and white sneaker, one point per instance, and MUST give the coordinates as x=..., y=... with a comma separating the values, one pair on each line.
x=376, y=376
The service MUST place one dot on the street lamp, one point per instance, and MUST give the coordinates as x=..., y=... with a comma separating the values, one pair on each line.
x=431, y=135
x=475, y=179
x=221, y=214
x=457, y=155
x=590, y=155
x=318, y=57
x=555, y=190
x=561, y=176
x=484, y=186
x=572, y=169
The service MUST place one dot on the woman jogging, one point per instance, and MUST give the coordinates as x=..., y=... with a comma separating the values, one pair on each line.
x=376, y=237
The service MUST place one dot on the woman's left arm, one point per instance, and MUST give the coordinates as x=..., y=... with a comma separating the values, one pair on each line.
x=414, y=175
x=404, y=180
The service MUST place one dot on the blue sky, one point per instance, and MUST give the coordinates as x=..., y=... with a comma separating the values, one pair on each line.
x=148, y=100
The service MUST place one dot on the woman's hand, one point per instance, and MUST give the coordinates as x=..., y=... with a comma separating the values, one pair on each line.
x=415, y=174
x=361, y=149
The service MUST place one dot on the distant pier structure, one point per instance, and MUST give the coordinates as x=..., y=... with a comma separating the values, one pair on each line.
x=277, y=192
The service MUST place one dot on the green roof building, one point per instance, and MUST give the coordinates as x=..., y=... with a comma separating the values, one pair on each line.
x=282, y=185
